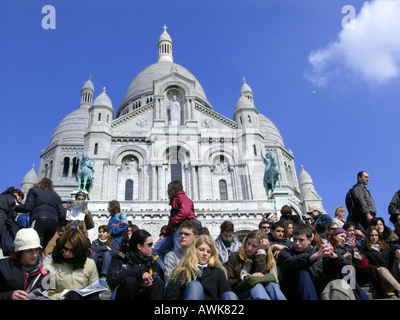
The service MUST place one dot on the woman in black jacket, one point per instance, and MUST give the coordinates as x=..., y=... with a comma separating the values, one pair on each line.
x=135, y=275
x=46, y=209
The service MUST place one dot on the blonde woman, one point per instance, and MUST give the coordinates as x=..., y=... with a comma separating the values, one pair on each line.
x=339, y=216
x=254, y=259
x=200, y=274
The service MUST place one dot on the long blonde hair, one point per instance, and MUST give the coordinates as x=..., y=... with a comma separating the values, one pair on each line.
x=187, y=270
x=257, y=234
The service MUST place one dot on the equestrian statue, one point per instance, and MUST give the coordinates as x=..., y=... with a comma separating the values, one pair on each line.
x=84, y=176
x=272, y=173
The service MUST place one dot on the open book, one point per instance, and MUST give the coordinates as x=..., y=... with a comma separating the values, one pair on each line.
x=75, y=211
x=98, y=286
x=38, y=294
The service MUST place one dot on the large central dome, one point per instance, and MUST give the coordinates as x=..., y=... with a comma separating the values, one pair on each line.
x=143, y=84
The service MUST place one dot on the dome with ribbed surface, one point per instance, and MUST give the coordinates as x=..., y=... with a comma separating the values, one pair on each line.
x=304, y=177
x=103, y=100
x=244, y=103
x=270, y=131
x=72, y=128
x=143, y=84
x=31, y=177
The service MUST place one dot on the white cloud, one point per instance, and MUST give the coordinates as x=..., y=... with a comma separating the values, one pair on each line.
x=371, y=49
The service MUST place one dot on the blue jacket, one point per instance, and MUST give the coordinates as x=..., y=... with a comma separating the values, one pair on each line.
x=118, y=224
x=320, y=223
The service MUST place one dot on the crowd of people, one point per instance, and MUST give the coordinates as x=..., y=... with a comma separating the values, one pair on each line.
x=286, y=258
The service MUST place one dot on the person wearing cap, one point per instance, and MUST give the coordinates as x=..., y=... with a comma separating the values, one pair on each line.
x=319, y=220
x=78, y=210
x=22, y=271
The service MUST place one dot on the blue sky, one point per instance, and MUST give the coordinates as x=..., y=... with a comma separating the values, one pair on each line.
x=326, y=72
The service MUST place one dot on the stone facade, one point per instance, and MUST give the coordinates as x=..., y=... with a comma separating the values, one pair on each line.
x=165, y=129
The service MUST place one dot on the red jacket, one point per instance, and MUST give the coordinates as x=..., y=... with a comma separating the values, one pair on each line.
x=182, y=209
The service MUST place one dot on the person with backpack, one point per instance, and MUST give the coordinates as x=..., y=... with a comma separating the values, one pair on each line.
x=394, y=208
x=359, y=202
x=46, y=209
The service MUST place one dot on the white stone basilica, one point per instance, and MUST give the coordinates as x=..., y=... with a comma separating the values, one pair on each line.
x=165, y=129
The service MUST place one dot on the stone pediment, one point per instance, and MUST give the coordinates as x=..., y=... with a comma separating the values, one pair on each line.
x=136, y=114
x=214, y=116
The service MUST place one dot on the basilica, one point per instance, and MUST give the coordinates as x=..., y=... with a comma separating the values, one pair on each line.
x=165, y=129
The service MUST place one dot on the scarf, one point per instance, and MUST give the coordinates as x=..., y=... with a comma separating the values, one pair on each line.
x=31, y=269
x=376, y=247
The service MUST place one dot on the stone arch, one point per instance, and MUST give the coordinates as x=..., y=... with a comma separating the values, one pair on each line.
x=136, y=151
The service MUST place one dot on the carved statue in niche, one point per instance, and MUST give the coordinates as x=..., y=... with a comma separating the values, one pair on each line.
x=175, y=111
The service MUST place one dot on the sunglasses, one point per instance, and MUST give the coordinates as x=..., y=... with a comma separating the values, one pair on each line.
x=185, y=234
x=69, y=250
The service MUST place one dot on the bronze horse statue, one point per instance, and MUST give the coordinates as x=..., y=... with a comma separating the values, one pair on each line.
x=84, y=176
x=272, y=173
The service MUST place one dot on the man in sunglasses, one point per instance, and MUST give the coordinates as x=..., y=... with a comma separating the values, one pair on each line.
x=189, y=232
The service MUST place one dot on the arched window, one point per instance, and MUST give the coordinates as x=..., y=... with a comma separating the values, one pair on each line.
x=176, y=170
x=129, y=190
x=75, y=166
x=65, y=167
x=50, y=169
x=223, y=191
x=96, y=147
x=99, y=117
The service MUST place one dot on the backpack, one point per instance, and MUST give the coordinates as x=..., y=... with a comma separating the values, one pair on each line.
x=23, y=220
x=10, y=229
x=349, y=201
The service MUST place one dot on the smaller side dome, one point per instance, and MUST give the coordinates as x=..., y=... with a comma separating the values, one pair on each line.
x=103, y=100
x=304, y=177
x=31, y=177
x=244, y=103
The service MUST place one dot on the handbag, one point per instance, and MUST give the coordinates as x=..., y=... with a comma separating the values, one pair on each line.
x=250, y=281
